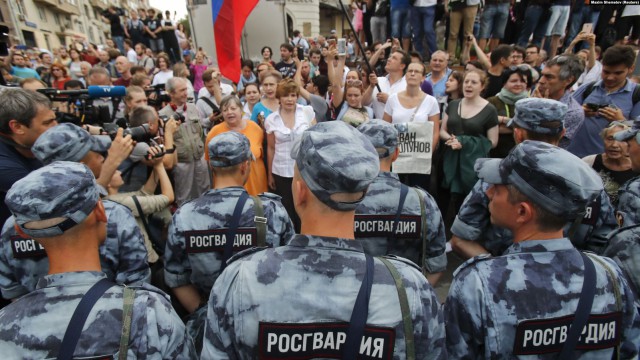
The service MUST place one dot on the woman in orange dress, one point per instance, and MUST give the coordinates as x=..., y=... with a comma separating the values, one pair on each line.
x=231, y=108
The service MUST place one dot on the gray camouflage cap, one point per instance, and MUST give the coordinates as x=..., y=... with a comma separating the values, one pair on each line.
x=541, y=116
x=62, y=190
x=551, y=177
x=333, y=157
x=228, y=149
x=382, y=135
x=629, y=133
x=68, y=142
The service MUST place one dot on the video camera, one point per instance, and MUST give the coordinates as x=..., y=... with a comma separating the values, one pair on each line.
x=82, y=103
x=161, y=95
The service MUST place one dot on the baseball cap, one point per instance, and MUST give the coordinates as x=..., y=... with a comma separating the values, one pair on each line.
x=333, y=158
x=228, y=149
x=549, y=176
x=629, y=133
x=535, y=114
x=382, y=135
x=68, y=142
x=64, y=191
x=186, y=52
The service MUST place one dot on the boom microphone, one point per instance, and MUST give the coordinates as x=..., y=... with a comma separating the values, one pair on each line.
x=93, y=91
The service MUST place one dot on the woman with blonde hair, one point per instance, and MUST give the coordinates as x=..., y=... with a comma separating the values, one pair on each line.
x=232, y=113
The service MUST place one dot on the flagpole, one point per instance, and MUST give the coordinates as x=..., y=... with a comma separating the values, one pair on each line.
x=346, y=16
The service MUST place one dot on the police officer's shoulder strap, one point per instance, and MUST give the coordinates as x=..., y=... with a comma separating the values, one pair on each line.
x=260, y=220
x=423, y=228
x=404, y=308
x=404, y=190
x=127, y=315
x=233, y=228
x=359, y=314
x=79, y=317
x=583, y=311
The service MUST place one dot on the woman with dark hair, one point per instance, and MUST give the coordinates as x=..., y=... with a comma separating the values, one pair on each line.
x=267, y=53
x=453, y=90
x=164, y=71
x=74, y=66
x=516, y=83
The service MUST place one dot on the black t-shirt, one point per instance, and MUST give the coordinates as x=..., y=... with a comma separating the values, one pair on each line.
x=287, y=70
x=494, y=85
x=13, y=167
x=116, y=25
x=152, y=24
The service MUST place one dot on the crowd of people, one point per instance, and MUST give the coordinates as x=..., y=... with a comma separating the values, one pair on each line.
x=222, y=214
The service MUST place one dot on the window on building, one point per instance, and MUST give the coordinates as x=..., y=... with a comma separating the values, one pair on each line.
x=91, y=36
x=87, y=12
x=42, y=13
x=1, y=16
x=21, y=8
x=56, y=18
x=29, y=38
x=73, y=2
x=46, y=41
x=81, y=27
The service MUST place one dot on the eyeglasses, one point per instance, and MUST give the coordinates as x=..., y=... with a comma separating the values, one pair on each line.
x=354, y=82
x=519, y=67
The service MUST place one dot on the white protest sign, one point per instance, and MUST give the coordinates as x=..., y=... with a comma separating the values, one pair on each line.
x=415, y=141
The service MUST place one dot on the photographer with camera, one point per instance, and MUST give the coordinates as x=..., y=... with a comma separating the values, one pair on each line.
x=210, y=97
x=149, y=131
x=190, y=175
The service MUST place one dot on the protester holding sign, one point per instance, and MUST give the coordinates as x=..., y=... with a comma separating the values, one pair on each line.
x=422, y=112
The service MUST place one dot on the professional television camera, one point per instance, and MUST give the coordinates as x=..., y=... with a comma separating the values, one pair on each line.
x=161, y=97
x=80, y=104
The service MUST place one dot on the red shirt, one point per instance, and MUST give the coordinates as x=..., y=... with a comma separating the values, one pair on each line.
x=122, y=82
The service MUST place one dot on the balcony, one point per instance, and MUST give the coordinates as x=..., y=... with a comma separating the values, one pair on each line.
x=67, y=8
x=100, y=4
x=53, y=3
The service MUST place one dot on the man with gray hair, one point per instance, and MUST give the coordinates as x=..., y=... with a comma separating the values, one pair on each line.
x=24, y=116
x=190, y=174
x=555, y=83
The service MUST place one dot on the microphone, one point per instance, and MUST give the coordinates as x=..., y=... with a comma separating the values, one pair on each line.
x=93, y=91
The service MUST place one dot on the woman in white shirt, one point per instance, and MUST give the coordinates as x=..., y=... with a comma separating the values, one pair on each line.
x=414, y=106
x=164, y=72
x=283, y=127
x=251, y=98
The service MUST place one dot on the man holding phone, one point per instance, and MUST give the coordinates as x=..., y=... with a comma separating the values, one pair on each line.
x=614, y=97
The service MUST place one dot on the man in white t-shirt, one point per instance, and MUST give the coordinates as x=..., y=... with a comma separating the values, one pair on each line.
x=392, y=83
x=131, y=53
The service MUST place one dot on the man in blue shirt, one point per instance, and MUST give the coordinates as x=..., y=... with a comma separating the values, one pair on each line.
x=19, y=68
x=609, y=99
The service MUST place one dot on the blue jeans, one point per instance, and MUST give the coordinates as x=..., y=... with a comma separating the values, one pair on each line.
x=577, y=20
x=535, y=23
x=422, y=18
x=400, y=25
x=119, y=40
x=493, y=21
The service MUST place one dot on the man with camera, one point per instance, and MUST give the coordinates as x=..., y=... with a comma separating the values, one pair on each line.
x=209, y=98
x=148, y=130
x=190, y=175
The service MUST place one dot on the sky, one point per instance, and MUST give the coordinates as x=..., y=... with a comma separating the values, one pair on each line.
x=172, y=5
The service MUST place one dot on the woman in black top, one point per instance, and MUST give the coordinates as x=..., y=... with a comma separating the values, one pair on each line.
x=614, y=165
x=169, y=38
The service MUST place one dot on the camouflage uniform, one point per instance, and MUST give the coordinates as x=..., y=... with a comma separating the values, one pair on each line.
x=33, y=326
x=628, y=212
x=317, y=277
x=194, y=250
x=123, y=255
x=472, y=222
x=519, y=299
x=376, y=214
